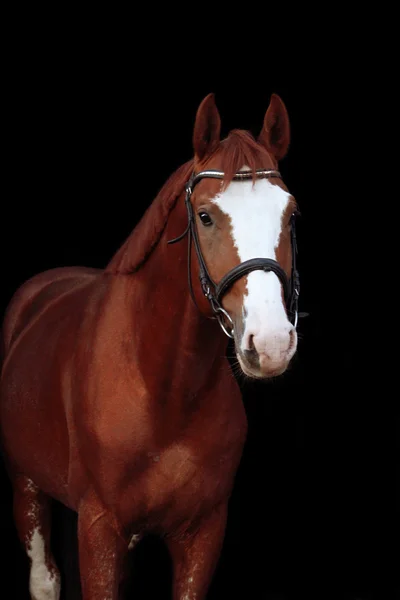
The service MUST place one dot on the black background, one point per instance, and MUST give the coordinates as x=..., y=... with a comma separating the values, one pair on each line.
x=94, y=128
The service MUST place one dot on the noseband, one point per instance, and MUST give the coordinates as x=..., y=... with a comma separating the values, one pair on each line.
x=214, y=292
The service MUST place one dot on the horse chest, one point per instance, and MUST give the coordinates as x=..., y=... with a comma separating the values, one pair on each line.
x=157, y=482
x=180, y=484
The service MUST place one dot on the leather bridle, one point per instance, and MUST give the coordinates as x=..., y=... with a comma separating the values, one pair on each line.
x=213, y=291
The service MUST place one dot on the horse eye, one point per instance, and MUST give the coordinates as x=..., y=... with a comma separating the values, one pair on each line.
x=205, y=218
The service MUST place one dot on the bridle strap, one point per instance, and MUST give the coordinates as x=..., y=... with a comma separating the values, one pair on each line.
x=214, y=292
x=254, y=264
x=204, y=276
x=240, y=176
x=244, y=268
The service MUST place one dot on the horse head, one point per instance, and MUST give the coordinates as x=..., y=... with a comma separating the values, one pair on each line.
x=242, y=226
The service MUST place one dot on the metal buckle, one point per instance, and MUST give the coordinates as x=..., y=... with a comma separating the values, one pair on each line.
x=220, y=321
x=296, y=313
x=207, y=291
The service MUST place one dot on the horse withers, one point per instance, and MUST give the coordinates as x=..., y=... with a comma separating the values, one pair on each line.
x=117, y=398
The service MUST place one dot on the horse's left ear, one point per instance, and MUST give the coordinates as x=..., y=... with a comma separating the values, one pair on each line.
x=275, y=134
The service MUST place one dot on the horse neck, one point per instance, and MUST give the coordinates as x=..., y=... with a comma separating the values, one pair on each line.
x=179, y=350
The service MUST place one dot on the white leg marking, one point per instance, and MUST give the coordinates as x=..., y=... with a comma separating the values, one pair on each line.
x=43, y=585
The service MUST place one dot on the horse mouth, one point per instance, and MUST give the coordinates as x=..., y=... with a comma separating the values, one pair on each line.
x=253, y=369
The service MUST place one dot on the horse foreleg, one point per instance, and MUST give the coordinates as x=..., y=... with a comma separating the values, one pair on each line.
x=195, y=556
x=32, y=515
x=101, y=551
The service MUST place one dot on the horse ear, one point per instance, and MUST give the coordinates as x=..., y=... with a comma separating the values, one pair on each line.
x=275, y=133
x=207, y=128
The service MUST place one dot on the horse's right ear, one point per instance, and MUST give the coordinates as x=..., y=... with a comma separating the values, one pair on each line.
x=207, y=128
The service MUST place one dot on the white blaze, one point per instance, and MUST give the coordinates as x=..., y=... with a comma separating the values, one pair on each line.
x=255, y=212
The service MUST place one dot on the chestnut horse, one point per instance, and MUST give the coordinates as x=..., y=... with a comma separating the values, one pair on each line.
x=117, y=398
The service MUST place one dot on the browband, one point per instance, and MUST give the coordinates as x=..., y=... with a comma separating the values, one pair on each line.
x=240, y=176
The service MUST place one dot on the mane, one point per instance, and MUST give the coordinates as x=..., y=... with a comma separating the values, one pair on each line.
x=239, y=148
x=142, y=241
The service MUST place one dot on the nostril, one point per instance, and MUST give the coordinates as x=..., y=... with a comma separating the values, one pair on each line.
x=250, y=353
x=250, y=343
